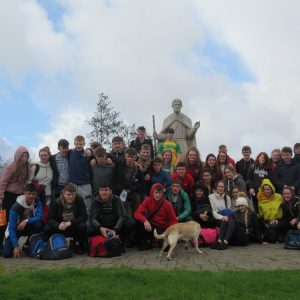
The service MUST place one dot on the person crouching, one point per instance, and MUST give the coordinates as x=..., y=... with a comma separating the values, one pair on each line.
x=108, y=216
x=68, y=216
x=25, y=219
x=153, y=213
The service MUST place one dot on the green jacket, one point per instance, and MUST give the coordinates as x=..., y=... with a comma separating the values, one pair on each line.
x=183, y=204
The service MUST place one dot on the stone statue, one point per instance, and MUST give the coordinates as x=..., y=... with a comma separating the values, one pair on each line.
x=184, y=131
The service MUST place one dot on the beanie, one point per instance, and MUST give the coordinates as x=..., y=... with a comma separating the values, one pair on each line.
x=241, y=201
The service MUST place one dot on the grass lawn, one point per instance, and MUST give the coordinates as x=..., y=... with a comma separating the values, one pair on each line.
x=123, y=283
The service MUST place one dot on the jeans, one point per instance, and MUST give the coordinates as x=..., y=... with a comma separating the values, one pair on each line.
x=29, y=230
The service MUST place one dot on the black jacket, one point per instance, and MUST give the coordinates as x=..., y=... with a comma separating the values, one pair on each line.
x=56, y=211
x=202, y=206
x=138, y=145
x=287, y=174
x=242, y=167
x=110, y=214
x=290, y=213
x=256, y=174
x=254, y=227
x=132, y=184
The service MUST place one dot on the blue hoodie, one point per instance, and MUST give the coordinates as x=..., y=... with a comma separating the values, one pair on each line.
x=19, y=212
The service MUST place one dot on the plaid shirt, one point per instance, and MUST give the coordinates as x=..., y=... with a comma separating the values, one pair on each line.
x=62, y=165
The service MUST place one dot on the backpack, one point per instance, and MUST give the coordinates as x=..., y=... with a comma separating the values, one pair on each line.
x=56, y=248
x=35, y=244
x=113, y=247
x=207, y=237
x=292, y=239
x=99, y=246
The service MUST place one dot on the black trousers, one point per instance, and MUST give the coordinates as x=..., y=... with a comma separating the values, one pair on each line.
x=124, y=232
x=273, y=233
x=77, y=232
x=142, y=234
x=232, y=233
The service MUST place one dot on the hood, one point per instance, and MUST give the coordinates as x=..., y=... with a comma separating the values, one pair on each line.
x=268, y=182
x=21, y=201
x=154, y=186
x=238, y=178
x=201, y=185
x=98, y=199
x=20, y=150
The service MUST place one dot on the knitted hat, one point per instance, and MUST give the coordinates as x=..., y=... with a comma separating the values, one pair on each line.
x=241, y=201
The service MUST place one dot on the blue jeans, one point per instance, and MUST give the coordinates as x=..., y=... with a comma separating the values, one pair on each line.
x=29, y=230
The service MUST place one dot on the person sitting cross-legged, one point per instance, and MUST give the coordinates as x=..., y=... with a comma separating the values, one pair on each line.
x=241, y=228
x=25, y=219
x=68, y=216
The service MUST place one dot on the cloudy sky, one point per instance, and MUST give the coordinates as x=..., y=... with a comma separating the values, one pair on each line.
x=233, y=63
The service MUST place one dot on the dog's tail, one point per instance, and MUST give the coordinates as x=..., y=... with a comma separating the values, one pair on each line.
x=159, y=236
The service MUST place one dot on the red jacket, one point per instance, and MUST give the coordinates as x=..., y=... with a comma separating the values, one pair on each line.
x=164, y=218
x=187, y=183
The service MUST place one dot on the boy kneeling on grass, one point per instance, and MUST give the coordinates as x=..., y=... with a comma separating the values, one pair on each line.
x=25, y=219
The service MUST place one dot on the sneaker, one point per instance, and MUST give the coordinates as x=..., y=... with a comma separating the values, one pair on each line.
x=214, y=245
x=145, y=245
x=129, y=244
x=222, y=246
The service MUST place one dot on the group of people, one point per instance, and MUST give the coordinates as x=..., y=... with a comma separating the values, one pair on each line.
x=129, y=192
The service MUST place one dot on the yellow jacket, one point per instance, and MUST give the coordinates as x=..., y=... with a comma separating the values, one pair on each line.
x=269, y=208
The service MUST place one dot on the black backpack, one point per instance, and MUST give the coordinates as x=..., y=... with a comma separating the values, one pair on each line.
x=113, y=247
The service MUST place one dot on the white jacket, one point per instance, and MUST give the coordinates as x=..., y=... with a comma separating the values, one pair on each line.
x=217, y=203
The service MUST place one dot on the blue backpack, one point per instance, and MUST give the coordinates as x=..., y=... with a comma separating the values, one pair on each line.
x=36, y=244
x=56, y=248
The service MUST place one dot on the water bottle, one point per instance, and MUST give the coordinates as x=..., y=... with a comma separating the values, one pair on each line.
x=109, y=234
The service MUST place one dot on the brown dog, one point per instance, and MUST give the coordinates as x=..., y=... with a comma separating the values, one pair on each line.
x=180, y=231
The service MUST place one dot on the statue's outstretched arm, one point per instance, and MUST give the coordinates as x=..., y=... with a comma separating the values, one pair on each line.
x=191, y=132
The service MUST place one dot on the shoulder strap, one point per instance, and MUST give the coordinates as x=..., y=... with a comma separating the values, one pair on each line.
x=37, y=168
x=157, y=209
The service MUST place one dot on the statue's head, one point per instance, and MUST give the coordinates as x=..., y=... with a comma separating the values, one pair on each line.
x=177, y=104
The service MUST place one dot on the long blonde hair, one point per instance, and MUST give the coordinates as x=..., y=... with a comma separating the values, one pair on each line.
x=246, y=220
